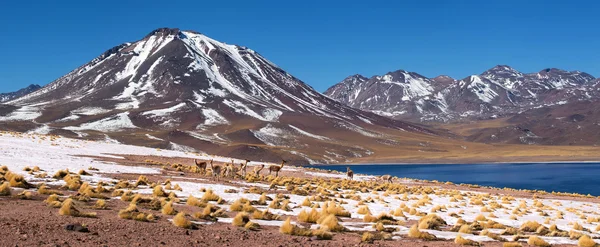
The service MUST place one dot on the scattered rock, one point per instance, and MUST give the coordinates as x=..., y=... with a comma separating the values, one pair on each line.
x=76, y=228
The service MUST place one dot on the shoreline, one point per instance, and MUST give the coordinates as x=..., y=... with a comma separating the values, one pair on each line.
x=474, y=163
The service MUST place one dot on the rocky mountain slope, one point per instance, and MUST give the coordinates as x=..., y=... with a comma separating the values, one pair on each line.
x=4, y=97
x=497, y=92
x=183, y=90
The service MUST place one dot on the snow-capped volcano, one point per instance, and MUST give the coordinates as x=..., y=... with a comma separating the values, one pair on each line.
x=498, y=91
x=183, y=90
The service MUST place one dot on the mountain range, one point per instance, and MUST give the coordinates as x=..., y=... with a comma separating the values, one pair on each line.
x=183, y=90
x=498, y=92
x=4, y=97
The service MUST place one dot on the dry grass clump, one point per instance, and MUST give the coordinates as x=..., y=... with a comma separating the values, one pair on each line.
x=83, y=173
x=322, y=234
x=252, y=226
x=537, y=241
x=168, y=209
x=290, y=229
x=86, y=189
x=5, y=189
x=264, y=215
x=60, y=174
x=16, y=180
x=480, y=217
x=578, y=227
x=210, y=213
x=414, y=232
x=142, y=180
x=254, y=190
x=492, y=235
x=73, y=181
x=530, y=226
x=158, y=191
x=53, y=201
x=367, y=237
x=68, y=208
x=25, y=195
x=586, y=241
x=463, y=241
x=309, y=217
x=209, y=195
x=465, y=229
x=100, y=204
x=241, y=219
x=364, y=210
x=181, y=221
x=132, y=213
x=193, y=201
x=332, y=208
x=431, y=221
x=331, y=223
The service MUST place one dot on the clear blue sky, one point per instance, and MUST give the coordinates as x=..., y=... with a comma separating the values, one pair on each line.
x=320, y=42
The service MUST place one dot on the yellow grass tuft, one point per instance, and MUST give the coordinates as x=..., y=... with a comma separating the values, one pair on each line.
x=168, y=209
x=414, y=232
x=431, y=221
x=537, y=241
x=252, y=226
x=132, y=213
x=25, y=195
x=480, y=218
x=5, y=189
x=101, y=204
x=306, y=202
x=465, y=229
x=53, y=201
x=241, y=219
x=68, y=209
x=237, y=205
x=322, y=234
x=586, y=241
x=158, y=191
x=60, y=174
x=264, y=215
x=364, y=210
x=530, y=226
x=399, y=213
x=209, y=195
x=290, y=229
x=463, y=241
x=193, y=201
x=369, y=218
x=308, y=217
x=331, y=223
x=181, y=221
x=577, y=226
x=367, y=237
x=83, y=173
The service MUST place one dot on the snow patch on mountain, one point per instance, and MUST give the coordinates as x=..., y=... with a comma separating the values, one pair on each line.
x=24, y=113
x=117, y=122
x=212, y=117
x=309, y=134
x=160, y=113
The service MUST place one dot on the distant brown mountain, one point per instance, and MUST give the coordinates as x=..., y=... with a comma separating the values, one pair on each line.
x=4, y=97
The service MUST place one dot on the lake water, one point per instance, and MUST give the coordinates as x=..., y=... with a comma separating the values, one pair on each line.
x=581, y=178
